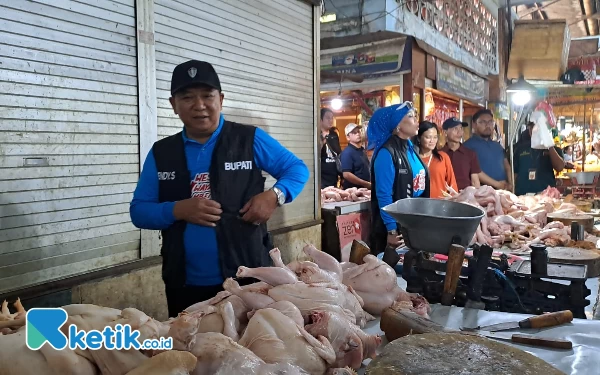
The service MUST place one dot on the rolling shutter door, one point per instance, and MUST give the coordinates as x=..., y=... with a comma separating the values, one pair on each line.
x=263, y=53
x=69, y=128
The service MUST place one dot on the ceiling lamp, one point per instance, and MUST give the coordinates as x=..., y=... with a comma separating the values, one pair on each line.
x=336, y=104
x=521, y=91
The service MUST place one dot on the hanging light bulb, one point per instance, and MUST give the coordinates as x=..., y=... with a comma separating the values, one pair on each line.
x=521, y=91
x=521, y=97
x=336, y=104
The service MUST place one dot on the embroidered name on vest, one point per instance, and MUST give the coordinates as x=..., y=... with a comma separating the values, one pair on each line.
x=163, y=176
x=234, y=166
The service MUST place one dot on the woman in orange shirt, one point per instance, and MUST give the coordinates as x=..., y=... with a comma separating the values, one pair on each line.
x=438, y=162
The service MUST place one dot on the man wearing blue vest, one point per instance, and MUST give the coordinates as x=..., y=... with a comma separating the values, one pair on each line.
x=204, y=189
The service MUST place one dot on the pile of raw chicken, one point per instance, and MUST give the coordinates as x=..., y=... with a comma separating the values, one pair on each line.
x=300, y=318
x=517, y=222
x=332, y=194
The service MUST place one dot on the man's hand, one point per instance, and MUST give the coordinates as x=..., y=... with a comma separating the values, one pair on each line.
x=502, y=185
x=198, y=211
x=394, y=240
x=260, y=208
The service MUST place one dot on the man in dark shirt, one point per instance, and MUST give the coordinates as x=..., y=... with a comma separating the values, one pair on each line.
x=355, y=163
x=330, y=150
x=534, y=169
x=464, y=161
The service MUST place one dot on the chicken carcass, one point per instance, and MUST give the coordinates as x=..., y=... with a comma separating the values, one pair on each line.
x=286, y=308
x=255, y=296
x=17, y=359
x=10, y=323
x=91, y=317
x=324, y=269
x=208, y=318
x=47, y=360
x=5, y=312
x=332, y=194
x=309, y=298
x=220, y=355
x=172, y=362
x=271, y=275
x=275, y=338
x=240, y=309
x=376, y=282
x=350, y=343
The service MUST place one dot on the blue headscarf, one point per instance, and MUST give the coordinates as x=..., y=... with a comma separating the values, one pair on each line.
x=384, y=121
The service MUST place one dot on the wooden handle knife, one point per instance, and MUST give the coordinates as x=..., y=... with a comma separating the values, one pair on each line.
x=542, y=341
x=547, y=320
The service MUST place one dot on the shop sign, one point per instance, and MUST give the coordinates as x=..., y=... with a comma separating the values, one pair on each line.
x=500, y=110
x=349, y=229
x=458, y=81
x=372, y=60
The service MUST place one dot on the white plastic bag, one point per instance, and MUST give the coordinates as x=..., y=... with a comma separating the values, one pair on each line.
x=541, y=137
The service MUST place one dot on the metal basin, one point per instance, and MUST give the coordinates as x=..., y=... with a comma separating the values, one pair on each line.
x=583, y=178
x=431, y=224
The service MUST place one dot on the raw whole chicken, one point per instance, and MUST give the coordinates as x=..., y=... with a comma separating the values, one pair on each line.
x=17, y=359
x=376, y=282
x=350, y=343
x=9, y=323
x=275, y=338
x=310, y=298
x=47, y=360
x=240, y=310
x=327, y=289
x=91, y=317
x=286, y=308
x=172, y=362
x=267, y=318
x=514, y=221
x=324, y=269
x=332, y=194
x=220, y=355
x=208, y=318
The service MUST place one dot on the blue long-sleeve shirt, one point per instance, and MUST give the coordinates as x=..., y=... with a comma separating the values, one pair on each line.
x=384, y=181
x=200, y=242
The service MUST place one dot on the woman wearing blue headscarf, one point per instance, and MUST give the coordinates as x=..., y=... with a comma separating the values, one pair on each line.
x=397, y=172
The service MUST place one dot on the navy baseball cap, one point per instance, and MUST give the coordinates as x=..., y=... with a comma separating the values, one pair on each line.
x=452, y=122
x=194, y=73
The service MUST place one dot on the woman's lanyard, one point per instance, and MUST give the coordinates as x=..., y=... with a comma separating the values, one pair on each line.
x=429, y=162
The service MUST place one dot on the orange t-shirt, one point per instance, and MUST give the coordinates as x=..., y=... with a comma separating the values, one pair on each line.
x=440, y=174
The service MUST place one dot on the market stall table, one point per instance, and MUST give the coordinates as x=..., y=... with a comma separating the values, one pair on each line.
x=583, y=359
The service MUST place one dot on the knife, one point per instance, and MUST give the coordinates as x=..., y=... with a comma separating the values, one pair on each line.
x=538, y=321
x=529, y=340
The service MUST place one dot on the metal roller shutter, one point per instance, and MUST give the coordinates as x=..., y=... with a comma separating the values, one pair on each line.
x=263, y=52
x=68, y=99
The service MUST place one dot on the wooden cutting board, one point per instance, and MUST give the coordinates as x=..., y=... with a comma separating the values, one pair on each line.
x=455, y=353
x=586, y=220
x=591, y=258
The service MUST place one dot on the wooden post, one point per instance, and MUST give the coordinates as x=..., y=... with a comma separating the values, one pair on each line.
x=358, y=251
x=454, y=264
